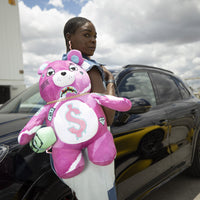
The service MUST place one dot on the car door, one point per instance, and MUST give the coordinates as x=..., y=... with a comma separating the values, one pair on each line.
x=141, y=139
x=182, y=115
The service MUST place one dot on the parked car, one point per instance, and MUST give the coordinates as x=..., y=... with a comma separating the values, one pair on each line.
x=156, y=140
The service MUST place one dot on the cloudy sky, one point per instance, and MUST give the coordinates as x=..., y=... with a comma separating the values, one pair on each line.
x=159, y=33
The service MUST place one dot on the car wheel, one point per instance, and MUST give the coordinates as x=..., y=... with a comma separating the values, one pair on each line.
x=151, y=144
x=56, y=191
x=194, y=169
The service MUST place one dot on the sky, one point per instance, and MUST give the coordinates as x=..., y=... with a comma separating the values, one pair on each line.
x=158, y=33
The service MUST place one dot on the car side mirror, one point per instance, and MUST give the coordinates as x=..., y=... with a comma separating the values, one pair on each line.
x=139, y=106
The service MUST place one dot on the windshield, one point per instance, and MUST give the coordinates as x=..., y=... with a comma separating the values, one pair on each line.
x=28, y=101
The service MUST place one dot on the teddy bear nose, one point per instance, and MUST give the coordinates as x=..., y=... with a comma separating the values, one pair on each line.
x=63, y=73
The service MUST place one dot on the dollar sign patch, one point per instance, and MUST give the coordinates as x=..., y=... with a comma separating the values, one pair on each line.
x=80, y=122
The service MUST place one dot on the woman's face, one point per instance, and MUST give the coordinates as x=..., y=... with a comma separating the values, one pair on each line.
x=84, y=39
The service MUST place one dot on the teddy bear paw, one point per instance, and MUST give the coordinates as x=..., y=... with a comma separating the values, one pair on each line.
x=24, y=138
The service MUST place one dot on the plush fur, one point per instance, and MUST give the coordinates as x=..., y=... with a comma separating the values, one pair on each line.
x=75, y=115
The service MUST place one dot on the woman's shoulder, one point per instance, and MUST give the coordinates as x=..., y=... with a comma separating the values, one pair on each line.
x=88, y=63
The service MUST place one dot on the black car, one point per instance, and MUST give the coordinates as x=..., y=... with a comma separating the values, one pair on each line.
x=156, y=140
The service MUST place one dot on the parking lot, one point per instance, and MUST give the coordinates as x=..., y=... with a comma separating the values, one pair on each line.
x=182, y=187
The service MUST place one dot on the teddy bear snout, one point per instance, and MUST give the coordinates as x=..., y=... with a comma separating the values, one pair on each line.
x=63, y=78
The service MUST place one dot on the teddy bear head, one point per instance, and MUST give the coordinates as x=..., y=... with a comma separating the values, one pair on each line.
x=63, y=78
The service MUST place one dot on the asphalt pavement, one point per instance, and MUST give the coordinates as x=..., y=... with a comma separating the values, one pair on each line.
x=182, y=187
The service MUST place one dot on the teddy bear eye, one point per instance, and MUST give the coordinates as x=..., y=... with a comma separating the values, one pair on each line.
x=50, y=72
x=73, y=68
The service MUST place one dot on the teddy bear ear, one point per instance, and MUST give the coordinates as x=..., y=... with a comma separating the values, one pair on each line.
x=42, y=67
x=75, y=56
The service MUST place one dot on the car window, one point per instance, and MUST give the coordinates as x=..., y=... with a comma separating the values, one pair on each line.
x=137, y=84
x=31, y=104
x=27, y=102
x=167, y=89
x=184, y=91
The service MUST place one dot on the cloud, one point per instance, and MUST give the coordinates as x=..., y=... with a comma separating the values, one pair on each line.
x=159, y=33
x=42, y=37
x=56, y=3
x=173, y=21
x=165, y=34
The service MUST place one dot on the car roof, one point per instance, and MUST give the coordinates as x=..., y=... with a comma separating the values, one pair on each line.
x=124, y=69
x=120, y=73
x=147, y=67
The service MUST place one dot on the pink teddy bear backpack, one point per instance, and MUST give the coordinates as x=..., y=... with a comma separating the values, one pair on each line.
x=75, y=116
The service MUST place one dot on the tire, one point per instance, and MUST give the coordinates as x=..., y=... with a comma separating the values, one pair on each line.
x=151, y=144
x=56, y=191
x=194, y=169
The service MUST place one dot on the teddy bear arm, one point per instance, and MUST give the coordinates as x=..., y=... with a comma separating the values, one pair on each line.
x=113, y=102
x=32, y=127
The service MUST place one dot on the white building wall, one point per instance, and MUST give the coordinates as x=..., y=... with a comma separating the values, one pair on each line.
x=11, y=61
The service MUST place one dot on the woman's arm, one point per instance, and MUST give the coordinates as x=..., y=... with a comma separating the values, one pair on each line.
x=97, y=86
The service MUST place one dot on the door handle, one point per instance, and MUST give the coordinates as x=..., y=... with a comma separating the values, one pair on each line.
x=162, y=122
x=193, y=111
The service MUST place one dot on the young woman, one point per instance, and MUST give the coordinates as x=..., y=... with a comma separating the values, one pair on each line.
x=95, y=182
x=80, y=34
